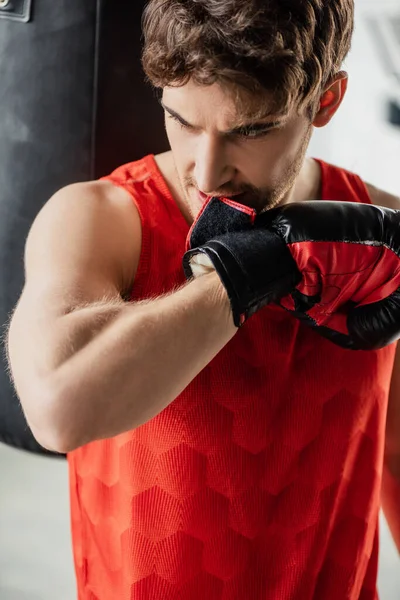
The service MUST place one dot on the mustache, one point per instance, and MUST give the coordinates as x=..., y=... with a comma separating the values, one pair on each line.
x=247, y=191
x=260, y=200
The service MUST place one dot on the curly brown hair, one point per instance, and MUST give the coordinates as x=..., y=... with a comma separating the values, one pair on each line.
x=289, y=49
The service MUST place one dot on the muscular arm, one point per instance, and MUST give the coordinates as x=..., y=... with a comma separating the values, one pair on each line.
x=85, y=364
x=125, y=374
x=391, y=467
x=391, y=497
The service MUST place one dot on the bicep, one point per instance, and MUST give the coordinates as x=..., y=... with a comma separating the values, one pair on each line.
x=82, y=245
x=381, y=198
x=81, y=249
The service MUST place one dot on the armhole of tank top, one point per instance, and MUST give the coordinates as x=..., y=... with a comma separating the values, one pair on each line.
x=357, y=184
x=156, y=174
x=362, y=190
x=143, y=265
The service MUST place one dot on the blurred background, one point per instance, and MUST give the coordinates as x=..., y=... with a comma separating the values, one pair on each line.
x=35, y=549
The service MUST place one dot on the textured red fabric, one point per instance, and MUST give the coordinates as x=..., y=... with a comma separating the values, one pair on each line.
x=261, y=481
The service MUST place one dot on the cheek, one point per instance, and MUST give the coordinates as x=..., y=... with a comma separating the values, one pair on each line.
x=171, y=132
x=285, y=150
x=263, y=161
x=268, y=162
x=178, y=141
x=288, y=144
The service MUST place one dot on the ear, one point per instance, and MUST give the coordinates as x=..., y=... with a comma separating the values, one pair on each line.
x=331, y=99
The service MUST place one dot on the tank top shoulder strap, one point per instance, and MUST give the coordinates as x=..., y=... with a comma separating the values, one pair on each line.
x=142, y=175
x=145, y=183
x=341, y=184
x=164, y=228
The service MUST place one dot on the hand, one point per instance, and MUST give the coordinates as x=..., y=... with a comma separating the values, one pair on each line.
x=217, y=217
x=349, y=257
x=334, y=265
x=224, y=238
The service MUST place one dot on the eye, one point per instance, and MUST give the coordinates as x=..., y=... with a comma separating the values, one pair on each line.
x=245, y=133
x=181, y=124
x=253, y=133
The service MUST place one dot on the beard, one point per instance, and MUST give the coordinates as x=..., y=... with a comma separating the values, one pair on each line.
x=279, y=192
x=266, y=198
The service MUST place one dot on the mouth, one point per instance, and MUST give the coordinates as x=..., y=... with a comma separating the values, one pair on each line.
x=203, y=197
x=235, y=197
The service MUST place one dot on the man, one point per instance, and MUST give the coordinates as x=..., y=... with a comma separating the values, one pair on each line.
x=212, y=457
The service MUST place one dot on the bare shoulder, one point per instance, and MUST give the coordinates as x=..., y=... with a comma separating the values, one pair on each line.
x=382, y=198
x=99, y=197
x=122, y=223
x=89, y=231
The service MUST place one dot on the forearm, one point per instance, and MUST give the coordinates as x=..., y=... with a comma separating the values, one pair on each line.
x=390, y=497
x=140, y=362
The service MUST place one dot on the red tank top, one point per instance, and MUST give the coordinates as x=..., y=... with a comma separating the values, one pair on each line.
x=261, y=481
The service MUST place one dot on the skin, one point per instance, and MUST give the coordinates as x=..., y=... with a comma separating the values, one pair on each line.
x=262, y=170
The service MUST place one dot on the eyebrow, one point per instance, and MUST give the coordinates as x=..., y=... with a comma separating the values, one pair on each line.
x=257, y=126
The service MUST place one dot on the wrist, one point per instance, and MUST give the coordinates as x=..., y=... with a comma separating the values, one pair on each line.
x=216, y=295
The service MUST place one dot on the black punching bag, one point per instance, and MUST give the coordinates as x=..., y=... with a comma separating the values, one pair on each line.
x=74, y=106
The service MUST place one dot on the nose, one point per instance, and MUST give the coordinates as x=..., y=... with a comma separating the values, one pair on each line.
x=212, y=169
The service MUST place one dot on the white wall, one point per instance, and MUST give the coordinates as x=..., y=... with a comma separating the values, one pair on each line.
x=358, y=138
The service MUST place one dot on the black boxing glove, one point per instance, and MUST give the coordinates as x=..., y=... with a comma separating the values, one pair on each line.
x=346, y=274
x=254, y=264
x=349, y=257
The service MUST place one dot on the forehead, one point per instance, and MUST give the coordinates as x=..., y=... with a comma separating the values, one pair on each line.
x=220, y=103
